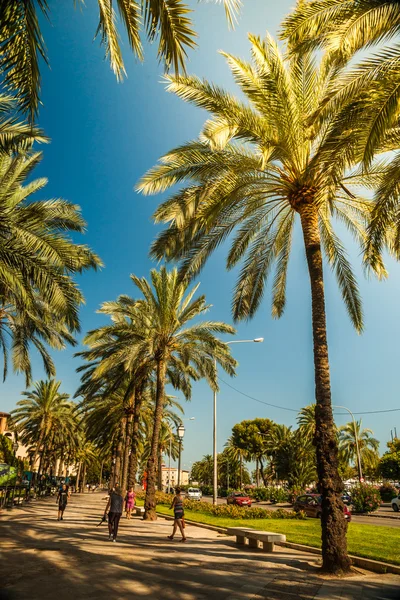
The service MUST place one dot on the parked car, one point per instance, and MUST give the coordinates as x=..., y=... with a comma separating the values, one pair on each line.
x=311, y=505
x=346, y=497
x=194, y=494
x=396, y=503
x=239, y=498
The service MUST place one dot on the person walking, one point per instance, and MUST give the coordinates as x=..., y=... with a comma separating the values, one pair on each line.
x=179, y=513
x=114, y=507
x=129, y=502
x=62, y=500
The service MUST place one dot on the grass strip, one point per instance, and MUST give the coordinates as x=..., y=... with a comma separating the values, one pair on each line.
x=367, y=541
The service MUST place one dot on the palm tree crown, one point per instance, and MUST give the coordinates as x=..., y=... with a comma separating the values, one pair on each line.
x=255, y=168
x=367, y=444
x=39, y=300
x=22, y=42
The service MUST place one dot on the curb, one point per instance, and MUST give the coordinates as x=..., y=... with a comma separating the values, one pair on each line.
x=369, y=564
x=376, y=516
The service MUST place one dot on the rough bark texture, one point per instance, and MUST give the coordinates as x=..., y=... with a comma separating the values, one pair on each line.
x=150, y=500
x=334, y=543
x=118, y=454
x=159, y=471
x=133, y=459
x=128, y=441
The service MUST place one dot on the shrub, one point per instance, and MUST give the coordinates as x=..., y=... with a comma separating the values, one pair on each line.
x=365, y=498
x=387, y=492
x=279, y=495
x=260, y=494
x=206, y=490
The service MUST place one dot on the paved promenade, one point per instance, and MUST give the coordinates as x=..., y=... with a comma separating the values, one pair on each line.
x=42, y=559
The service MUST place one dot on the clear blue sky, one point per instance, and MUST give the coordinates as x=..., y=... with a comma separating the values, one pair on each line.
x=104, y=136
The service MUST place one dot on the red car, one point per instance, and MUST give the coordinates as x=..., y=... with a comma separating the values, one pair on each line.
x=311, y=505
x=239, y=498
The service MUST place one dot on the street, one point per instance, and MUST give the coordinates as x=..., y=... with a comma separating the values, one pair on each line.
x=385, y=511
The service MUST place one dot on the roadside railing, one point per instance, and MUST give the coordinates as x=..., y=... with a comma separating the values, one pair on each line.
x=13, y=495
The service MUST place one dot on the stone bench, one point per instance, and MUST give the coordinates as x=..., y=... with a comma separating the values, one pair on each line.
x=139, y=510
x=266, y=538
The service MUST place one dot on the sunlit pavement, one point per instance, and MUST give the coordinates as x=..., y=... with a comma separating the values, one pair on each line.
x=42, y=559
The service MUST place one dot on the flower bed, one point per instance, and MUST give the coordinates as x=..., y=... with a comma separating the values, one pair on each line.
x=227, y=510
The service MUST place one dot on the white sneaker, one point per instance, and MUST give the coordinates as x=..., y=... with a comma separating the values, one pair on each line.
x=110, y=537
x=114, y=540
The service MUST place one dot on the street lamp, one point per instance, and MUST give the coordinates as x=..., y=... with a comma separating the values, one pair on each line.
x=181, y=433
x=215, y=477
x=360, y=475
x=170, y=453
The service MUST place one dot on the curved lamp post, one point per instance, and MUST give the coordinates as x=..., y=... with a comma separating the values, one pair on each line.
x=215, y=473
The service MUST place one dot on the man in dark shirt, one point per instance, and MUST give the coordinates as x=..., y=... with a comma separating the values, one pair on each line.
x=114, y=506
x=62, y=499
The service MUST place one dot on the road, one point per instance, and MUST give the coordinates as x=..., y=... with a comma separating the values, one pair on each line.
x=43, y=559
x=373, y=520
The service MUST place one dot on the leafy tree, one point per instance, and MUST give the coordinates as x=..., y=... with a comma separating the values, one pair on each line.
x=39, y=299
x=251, y=438
x=257, y=168
x=389, y=464
x=23, y=46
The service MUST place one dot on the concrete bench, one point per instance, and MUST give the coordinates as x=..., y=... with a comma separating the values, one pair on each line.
x=266, y=538
x=139, y=510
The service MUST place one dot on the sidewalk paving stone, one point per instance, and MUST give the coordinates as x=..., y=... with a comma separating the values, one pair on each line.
x=43, y=559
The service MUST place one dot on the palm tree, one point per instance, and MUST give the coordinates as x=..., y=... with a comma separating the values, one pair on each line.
x=39, y=299
x=367, y=93
x=306, y=421
x=23, y=46
x=43, y=413
x=368, y=445
x=257, y=168
x=202, y=470
x=187, y=350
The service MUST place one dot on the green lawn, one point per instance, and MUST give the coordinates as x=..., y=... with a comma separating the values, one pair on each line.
x=369, y=541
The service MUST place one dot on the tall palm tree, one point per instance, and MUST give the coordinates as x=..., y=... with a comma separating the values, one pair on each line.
x=367, y=444
x=258, y=168
x=41, y=414
x=367, y=93
x=23, y=46
x=39, y=299
x=175, y=345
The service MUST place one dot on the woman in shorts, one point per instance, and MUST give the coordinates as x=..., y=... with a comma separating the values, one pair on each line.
x=179, y=513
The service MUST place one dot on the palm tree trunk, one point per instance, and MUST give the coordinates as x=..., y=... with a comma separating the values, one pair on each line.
x=150, y=500
x=101, y=473
x=334, y=544
x=78, y=476
x=159, y=471
x=241, y=471
x=133, y=459
x=118, y=455
x=128, y=443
